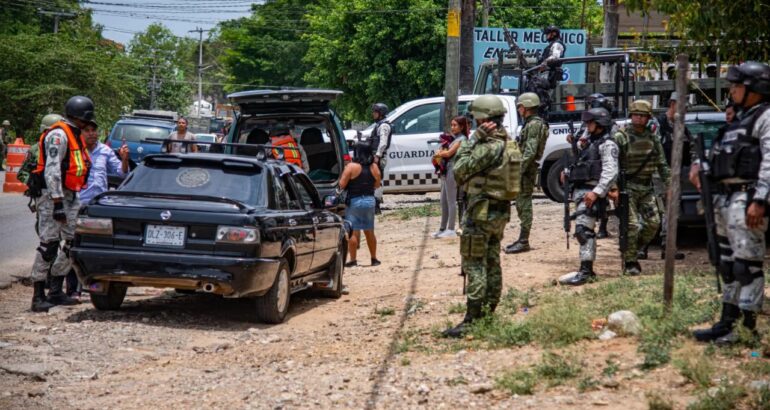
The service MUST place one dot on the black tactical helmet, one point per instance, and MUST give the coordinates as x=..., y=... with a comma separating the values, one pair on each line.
x=380, y=108
x=79, y=107
x=548, y=30
x=755, y=76
x=600, y=115
x=598, y=100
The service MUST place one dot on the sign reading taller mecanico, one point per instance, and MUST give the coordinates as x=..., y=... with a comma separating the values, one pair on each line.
x=488, y=42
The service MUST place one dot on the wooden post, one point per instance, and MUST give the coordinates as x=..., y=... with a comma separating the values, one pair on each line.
x=467, y=28
x=674, y=192
x=452, y=74
x=610, y=37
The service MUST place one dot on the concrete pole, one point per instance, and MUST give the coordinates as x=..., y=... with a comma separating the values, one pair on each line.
x=485, y=6
x=452, y=75
x=200, y=68
x=672, y=211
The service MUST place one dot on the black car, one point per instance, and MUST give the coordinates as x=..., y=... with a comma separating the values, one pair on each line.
x=235, y=226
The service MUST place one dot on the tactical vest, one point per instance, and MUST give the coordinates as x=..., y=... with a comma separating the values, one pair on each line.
x=547, y=51
x=502, y=181
x=374, y=138
x=738, y=154
x=76, y=162
x=290, y=155
x=588, y=166
x=640, y=155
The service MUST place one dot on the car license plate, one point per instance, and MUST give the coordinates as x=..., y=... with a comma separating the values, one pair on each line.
x=165, y=235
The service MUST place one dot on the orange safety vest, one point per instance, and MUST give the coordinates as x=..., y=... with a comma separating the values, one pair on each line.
x=289, y=155
x=76, y=162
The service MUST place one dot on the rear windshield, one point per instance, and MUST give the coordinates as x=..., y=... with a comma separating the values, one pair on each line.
x=709, y=129
x=199, y=179
x=139, y=132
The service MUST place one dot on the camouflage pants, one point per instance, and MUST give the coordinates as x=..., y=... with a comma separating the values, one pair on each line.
x=643, y=221
x=48, y=256
x=482, y=267
x=742, y=251
x=524, y=202
x=585, y=223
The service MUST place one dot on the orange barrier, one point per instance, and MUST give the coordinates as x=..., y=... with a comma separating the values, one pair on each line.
x=570, y=103
x=16, y=154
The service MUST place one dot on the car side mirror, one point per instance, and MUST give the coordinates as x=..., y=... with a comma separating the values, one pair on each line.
x=331, y=201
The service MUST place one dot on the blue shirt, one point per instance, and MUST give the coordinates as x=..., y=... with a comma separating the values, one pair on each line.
x=103, y=162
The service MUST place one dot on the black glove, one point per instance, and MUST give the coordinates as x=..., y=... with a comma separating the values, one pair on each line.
x=58, y=212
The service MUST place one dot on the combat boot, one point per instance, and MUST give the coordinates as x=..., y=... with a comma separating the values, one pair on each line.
x=472, y=312
x=521, y=245
x=603, y=233
x=749, y=322
x=56, y=294
x=39, y=304
x=633, y=269
x=584, y=275
x=642, y=254
x=721, y=328
x=677, y=255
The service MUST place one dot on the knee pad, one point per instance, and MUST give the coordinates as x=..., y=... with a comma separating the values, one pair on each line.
x=746, y=271
x=48, y=250
x=726, y=271
x=724, y=246
x=66, y=248
x=583, y=234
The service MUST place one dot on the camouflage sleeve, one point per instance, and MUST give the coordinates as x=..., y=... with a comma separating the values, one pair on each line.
x=762, y=131
x=474, y=157
x=609, y=153
x=663, y=169
x=622, y=142
x=531, y=137
x=55, y=149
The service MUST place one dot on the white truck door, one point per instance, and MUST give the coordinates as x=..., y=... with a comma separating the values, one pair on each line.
x=414, y=141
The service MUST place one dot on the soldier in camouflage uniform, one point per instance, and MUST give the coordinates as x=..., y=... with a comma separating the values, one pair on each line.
x=641, y=154
x=62, y=170
x=740, y=166
x=30, y=160
x=592, y=176
x=485, y=218
x=532, y=143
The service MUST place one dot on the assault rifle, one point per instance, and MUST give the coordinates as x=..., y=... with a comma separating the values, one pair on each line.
x=566, y=185
x=515, y=48
x=622, y=211
x=704, y=174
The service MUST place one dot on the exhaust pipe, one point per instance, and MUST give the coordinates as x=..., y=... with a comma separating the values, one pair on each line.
x=209, y=287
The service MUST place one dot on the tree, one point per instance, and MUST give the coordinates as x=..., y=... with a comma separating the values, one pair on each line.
x=164, y=61
x=735, y=29
x=565, y=14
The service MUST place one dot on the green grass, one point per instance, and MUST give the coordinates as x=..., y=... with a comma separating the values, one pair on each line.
x=557, y=369
x=611, y=367
x=762, y=399
x=727, y=397
x=587, y=384
x=521, y=382
x=696, y=367
x=500, y=331
x=421, y=211
x=756, y=367
x=553, y=369
x=656, y=402
x=456, y=308
x=384, y=311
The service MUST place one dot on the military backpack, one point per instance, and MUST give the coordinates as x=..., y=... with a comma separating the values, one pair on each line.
x=503, y=181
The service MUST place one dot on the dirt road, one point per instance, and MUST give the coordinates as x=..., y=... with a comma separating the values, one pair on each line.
x=373, y=348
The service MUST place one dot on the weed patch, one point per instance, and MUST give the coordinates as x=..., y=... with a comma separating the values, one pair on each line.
x=696, y=367
x=726, y=397
x=499, y=331
x=656, y=402
x=557, y=368
x=385, y=311
x=521, y=382
x=456, y=308
x=421, y=211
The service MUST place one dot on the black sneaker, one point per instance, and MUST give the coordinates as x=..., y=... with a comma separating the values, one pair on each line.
x=351, y=264
x=376, y=262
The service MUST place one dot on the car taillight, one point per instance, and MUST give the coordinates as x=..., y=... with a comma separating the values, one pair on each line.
x=346, y=158
x=93, y=226
x=235, y=234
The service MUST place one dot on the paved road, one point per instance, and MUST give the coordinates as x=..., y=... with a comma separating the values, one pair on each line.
x=17, y=235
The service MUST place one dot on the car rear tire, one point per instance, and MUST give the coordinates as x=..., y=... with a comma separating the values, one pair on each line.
x=336, y=270
x=112, y=299
x=273, y=306
x=554, y=187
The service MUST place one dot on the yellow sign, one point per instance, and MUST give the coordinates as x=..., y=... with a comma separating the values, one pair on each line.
x=453, y=23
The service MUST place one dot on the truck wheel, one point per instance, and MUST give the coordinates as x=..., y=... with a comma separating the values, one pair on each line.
x=272, y=306
x=336, y=270
x=112, y=299
x=555, y=189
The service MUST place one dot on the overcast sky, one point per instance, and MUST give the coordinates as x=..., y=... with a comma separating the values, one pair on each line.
x=123, y=18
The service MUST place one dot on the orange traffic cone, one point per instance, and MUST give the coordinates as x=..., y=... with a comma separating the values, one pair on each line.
x=16, y=154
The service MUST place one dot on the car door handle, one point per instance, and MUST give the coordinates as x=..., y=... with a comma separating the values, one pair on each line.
x=430, y=142
x=292, y=222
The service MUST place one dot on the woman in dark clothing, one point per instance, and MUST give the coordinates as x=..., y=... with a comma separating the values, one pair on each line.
x=361, y=177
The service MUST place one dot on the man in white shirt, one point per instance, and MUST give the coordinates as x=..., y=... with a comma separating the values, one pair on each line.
x=181, y=133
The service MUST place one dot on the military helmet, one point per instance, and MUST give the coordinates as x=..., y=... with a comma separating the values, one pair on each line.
x=486, y=106
x=755, y=76
x=49, y=120
x=528, y=100
x=641, y=107
x=81, y=108
x=6, y=123
x=600, y=115
x=550, y=29
x=597, y=100
x=380, y=108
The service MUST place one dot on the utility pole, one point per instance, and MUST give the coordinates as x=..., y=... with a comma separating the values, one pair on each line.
x=672, y=211
x=200, y=67
x=486, y=5
x=452, y=75
x=610, y=38
x=56, y=16
x=467, y=26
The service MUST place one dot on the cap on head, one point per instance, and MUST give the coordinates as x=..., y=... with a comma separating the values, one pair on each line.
x=755, y=76
x=380, y=108
x=6, y=123
x=80, y=108
x=528, y=100
x=642, y=107
x=600, y=115
x=486, y=106
x=48, y=121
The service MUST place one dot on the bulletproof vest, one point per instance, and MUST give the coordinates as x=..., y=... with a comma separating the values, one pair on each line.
x=547, y=51
x=502, y=181
x=588, y=166
x=541, y=138
x=737, y=153
x=375, y=137
x=640, y=155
